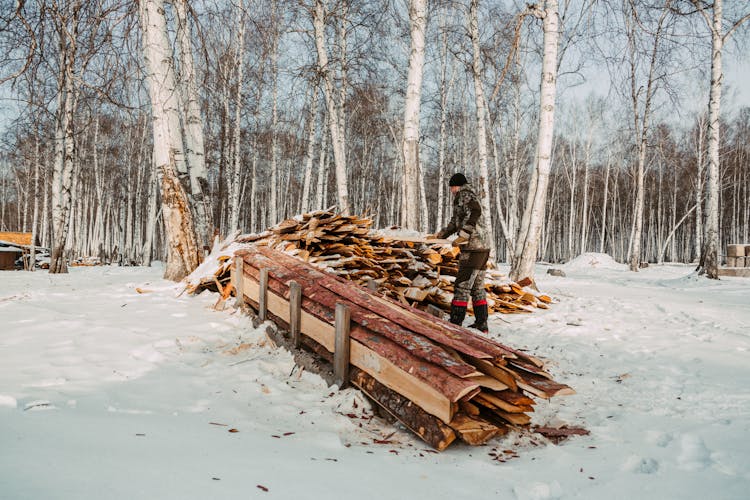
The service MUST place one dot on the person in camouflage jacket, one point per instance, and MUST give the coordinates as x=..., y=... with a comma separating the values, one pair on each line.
x=473, y=240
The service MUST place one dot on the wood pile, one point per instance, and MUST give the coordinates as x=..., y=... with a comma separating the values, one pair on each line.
x=441, y=380
x=411, y=270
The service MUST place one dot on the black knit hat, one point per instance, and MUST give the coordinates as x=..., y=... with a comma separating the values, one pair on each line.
x=457, y=180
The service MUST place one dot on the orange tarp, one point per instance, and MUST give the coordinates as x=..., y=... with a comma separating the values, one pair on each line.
x=17, y=238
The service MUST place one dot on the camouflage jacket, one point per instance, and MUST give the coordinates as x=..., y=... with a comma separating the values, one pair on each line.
x=467, y=216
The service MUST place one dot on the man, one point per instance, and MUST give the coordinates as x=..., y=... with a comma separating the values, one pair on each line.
x=474, y=243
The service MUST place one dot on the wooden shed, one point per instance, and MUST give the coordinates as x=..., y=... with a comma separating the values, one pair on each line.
x=12, y=246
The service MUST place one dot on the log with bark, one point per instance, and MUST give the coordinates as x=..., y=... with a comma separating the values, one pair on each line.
x=440, y=380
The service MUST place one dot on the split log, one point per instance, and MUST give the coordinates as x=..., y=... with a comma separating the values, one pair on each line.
x=476, y=430
x=426, y=426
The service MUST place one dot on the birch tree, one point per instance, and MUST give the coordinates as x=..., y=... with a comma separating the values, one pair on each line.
x=62, y=176
x=184, y=254
x=312, y=118
x=642, y=108
x=236, y=183
x=527, y=241
x=710, y=253
x=334, y=126
x=479, y=100
x=194, y=147
x=411, y=180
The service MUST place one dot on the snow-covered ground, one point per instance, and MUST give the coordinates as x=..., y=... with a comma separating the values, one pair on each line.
x=110, y=393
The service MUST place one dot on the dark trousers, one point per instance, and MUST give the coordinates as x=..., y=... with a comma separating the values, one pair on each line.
x=470, y=278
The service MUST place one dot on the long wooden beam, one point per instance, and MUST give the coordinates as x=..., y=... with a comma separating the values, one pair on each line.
x=377, y=366
x=286, y=269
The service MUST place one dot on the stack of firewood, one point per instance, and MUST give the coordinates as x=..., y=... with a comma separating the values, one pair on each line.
x=440, y=380
x=411, y=270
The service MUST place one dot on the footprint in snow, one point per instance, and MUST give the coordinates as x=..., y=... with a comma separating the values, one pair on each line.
x=694, y=454
x=640, y=465
x=658, y=438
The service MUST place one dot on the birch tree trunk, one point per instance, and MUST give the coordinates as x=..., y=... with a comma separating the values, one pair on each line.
x=484, y=176
x=444, y=91
x=234, y=195
x=273, y=208
x=320, y=198
x=710, y=252
x=411, y=179
x=311, y=121
x=711, y=242
x=35, y=217
x=184, y=254
x=604, y=205
x=527, y=242
x=194, y=147
x=324, y=69
x=641, y=124
x=585, y=209
x=62, y=178
x=148, y=243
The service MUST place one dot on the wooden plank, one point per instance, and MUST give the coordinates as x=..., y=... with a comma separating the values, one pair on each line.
x=412, y=319
x=492, y=370
x=237, y=283
x=416, y=344
x=295, y=312
x=514, y=398
x=414, y=293
x=434, y=432
x=341, y=353
x=475, y=430
x=737, y=272
x=489, y=382
x=413, y=239
x=386, y=372
x=542, y=387
x=513, y=418
x=736, y=250
x=262, y=294
x=504, y=405
x=528, y=367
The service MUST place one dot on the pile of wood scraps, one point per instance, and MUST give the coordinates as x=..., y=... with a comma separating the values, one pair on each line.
x=440, y=380
x=411, y=270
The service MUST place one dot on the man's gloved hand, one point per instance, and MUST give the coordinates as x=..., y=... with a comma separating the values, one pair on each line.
x=466, y=232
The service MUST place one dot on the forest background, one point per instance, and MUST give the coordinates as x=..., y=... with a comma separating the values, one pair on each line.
x=279, y=108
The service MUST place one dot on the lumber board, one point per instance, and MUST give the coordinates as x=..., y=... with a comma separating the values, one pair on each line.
x=384, y=370
x=497, y=372
x=504, y=405
x=542, y=387
x=737, y=272
x=474, y=430
x=451, y=386
x=431, y=429
x=415, y=344
x=514, y=398
x=489, y=382
x=436, y=329
x=513, y=418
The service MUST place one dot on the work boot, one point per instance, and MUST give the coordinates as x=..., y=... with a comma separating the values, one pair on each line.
x=480, y=317
x=458, y=313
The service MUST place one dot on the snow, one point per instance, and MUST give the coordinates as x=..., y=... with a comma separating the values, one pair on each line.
x=592, y=260
x=110, y=393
